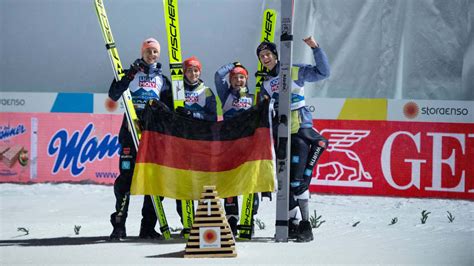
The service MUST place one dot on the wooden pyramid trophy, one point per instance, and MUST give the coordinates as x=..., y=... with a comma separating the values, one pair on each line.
x=210, y=234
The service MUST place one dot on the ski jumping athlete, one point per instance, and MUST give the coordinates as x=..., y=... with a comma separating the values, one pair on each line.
x=145, y=81
x=307, y=144
x=200, y=101
x=235, y=99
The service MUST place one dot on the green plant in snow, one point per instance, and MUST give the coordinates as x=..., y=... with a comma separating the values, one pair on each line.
x=315, y=220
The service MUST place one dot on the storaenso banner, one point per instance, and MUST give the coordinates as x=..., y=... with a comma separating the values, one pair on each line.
x=12, y=101
x=444, y=111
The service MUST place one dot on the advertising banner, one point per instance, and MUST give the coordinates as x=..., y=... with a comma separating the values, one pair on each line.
x=49, y=147
x=383, y=147
x=390, y=158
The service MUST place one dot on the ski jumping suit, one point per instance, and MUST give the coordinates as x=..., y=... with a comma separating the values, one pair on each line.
x=200, y=102
x=143, y=87
x=233, y=103
x=306, y=143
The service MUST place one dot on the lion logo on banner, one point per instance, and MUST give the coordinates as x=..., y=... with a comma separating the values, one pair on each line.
x=346, y=168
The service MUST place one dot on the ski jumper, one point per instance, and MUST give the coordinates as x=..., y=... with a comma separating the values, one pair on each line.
x=307, y=144
x=233, y=102
x=143, y=87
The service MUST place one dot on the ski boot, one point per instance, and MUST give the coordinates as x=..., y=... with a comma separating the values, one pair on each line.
x=147, y=230
x=149, y=233
x=233, y=225
x=118, y=222
x=292, y=228
x=305, y=232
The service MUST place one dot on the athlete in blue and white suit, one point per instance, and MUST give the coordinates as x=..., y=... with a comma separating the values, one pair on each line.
x=146, y=82
x=235, y=98
x=306, y=143
x=234, y=95
x=200, y=103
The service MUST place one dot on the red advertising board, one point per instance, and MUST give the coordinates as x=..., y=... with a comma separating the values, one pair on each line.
x=389, y=158
x=59, y=147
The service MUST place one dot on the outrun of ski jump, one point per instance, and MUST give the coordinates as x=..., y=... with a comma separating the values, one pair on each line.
x=242, y=163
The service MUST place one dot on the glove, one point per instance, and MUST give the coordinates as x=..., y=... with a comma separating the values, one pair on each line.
x=184, y=112
x=137, y=66
x=237, y=64
x=266, y=195
x=261, y=74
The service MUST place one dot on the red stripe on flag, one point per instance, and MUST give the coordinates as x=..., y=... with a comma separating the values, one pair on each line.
x=207, y=156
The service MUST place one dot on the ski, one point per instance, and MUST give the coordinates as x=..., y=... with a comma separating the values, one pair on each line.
x=130, y=113
x=176, y=69
x=284, y=137
x=267, y=35
x=246, y=215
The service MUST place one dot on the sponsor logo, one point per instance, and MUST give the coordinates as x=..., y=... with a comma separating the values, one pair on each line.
x=274, y=85
x=146, y=82
x=189, y=213
x=349, y=174
x=74, y=151
x=7, y=132
x=173, y=31
x=415, y=164
x=12, y=102
x=322, y=144
x=126, y=150
x=411, y=110
x=210, y=236
x=409, y=162
x=242, y=103
x=452, y=111
x=268, y=26
x=125, y=165
x=191, y=97
x=248, y=211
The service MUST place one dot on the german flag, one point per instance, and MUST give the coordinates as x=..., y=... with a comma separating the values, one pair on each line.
x=177, y=155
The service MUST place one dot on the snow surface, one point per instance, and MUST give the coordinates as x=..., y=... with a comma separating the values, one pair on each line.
x=50, y=212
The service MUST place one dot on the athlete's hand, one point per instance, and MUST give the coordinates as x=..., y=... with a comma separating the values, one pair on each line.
x=311, y=42
x=137, y=66
x=184, y=112
x=237, y=64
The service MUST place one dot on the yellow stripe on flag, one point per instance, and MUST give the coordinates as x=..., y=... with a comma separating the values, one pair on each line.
x=364, y=109
x=250, y=177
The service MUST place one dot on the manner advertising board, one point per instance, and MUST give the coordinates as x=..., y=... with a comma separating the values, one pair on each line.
x=48, y=147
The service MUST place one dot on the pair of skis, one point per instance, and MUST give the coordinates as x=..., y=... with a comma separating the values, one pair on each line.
x=246, y=215
x=284, y=121
x=284, y=124
x=176, y=69
x=172, y=23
